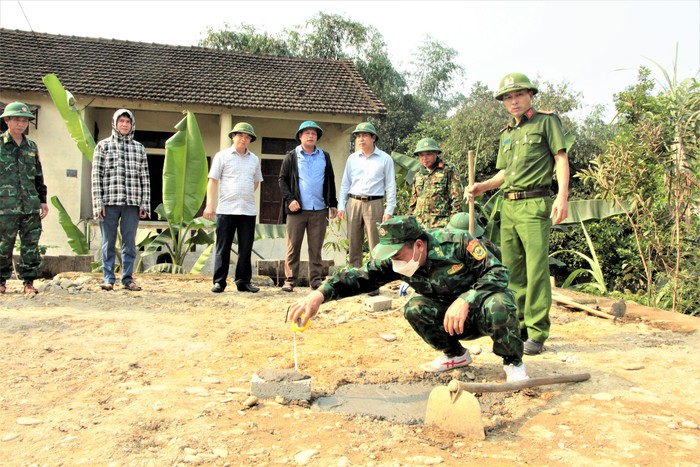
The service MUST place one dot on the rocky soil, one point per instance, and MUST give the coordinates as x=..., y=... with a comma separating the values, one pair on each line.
x=162, y=377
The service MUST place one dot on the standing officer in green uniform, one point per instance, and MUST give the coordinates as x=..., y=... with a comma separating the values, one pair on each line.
x=437, y=189
x=531, y=149
x=22, y=198
x=461, y=292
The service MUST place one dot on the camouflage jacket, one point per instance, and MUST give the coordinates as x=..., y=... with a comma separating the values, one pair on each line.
x=436, y=196
x=458, y=265
x=22, y=189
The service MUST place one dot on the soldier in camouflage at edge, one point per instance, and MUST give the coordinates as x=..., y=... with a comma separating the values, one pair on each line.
x=23, y=198
x=461, y=292
x=437, y=191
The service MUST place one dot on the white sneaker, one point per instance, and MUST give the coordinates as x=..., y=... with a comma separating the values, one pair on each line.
x=445, y=363
x=515, y=373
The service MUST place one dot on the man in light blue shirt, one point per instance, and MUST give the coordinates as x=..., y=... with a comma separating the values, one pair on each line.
x=307, y=184
x=368, y=179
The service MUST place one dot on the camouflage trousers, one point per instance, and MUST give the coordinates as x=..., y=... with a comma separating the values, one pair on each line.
x=497, y=318
x=29, y=228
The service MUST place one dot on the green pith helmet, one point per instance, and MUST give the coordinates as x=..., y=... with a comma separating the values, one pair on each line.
x=17, y=109
x=514, y=82
x=310, y=124
x=243, y=127
x=393, y=234
x=425, y=145
x=460, y=221
x=366, y=127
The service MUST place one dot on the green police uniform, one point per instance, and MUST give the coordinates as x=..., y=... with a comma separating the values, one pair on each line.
x=22, y=192
x=457, y=265
x=436, y=195
x=526, y=155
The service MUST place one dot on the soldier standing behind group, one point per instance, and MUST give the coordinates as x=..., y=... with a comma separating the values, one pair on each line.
x=437, y=190
x=23, y=201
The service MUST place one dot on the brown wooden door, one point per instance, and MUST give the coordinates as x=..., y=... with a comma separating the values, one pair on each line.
x=270, y=196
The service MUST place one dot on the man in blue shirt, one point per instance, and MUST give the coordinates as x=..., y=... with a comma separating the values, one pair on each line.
x=307, y=184
x=368, y=177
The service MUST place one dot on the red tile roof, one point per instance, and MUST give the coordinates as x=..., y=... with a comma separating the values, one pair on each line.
x=184, y=75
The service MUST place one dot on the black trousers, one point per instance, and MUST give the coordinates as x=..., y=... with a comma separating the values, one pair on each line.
x=226, y=227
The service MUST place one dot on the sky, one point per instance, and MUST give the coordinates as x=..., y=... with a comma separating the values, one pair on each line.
x=596, y=46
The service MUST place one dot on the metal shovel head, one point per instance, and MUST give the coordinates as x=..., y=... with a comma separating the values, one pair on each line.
x=459, y=413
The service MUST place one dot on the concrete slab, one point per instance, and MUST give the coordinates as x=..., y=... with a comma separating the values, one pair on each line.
x=397, y=402
x=290, y=384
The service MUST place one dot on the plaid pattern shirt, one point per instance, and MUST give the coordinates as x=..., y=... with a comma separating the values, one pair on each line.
x=120, y=174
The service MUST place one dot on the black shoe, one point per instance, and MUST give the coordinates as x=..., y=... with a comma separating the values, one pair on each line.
x=218, y=288
x=247, y=288
x=533, y=347
x=373, y=293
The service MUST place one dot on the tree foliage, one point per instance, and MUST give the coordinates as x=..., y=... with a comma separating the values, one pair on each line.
x=330, y=36
x=652, y=162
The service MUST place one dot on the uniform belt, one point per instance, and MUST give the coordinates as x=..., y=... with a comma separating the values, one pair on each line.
x=365, y=198
x=526, y=194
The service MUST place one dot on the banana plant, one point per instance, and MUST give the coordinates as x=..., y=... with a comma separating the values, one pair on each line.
x=184, y=188
x=77, y=240
x=65, y=103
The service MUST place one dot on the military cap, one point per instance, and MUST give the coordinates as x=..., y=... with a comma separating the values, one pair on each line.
x=17, y=109
x=393, y=234
x=427, y=144
x=460, y=221
x=243, y=127
x=309, y=124
x=366, y=127
x=514, y=82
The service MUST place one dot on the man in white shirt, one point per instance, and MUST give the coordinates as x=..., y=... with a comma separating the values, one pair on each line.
x=368, y=179
x=235, y=172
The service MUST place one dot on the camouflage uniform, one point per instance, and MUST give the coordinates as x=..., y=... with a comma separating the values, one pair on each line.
x=22, y=192
x=436, y=195
x=457, y=266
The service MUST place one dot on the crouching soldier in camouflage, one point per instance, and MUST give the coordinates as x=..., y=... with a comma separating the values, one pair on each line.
x=22, y=198
x=462, y=292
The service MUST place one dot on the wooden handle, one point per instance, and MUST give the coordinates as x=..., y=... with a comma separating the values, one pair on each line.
x=573, y=303
x=470, y=156
x=456, y=385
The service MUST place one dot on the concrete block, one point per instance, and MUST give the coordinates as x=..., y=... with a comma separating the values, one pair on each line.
x=377, y=303
x=290, y=384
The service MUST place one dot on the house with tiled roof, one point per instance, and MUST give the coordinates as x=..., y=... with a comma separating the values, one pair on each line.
x=158, y=82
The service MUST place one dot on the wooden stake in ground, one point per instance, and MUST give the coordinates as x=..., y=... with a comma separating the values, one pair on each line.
x=470, y=156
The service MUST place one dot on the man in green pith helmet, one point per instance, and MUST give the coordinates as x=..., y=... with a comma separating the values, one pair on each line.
x=23, y=204
x=532, y=149
x=461, y=292
x=437, y=190
x=234, y=175
x=307, y=184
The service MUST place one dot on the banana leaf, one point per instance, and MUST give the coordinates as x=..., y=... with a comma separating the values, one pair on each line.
x=184, y=172
x=270, y=231
x=406, y=166
x=65, y=103
x=588, y=209
x=202, y=260
x=76, y=238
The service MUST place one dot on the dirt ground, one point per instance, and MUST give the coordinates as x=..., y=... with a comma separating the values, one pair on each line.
x=160, y=377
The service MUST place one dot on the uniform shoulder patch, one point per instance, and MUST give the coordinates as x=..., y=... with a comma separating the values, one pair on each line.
x=455, y=268
x=476, y=249
x=546, y=112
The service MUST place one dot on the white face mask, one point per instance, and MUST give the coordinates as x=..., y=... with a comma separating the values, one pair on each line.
x=406, y=268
